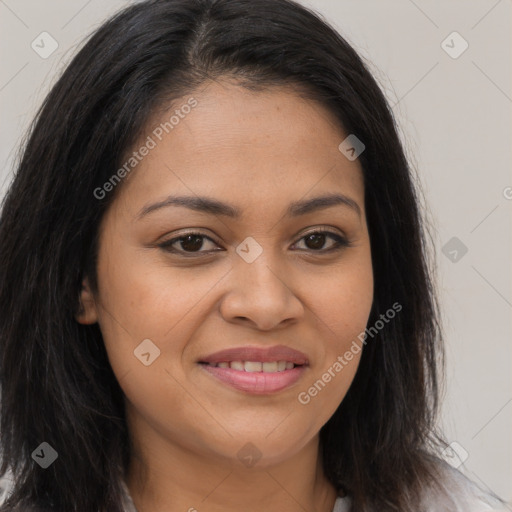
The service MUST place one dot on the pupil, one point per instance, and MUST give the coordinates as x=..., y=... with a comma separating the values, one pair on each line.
x=317, y=239
x=192, y=242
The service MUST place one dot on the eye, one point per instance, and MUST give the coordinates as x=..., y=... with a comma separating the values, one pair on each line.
x=315, y=241
x=188, y=243
x=191, y=244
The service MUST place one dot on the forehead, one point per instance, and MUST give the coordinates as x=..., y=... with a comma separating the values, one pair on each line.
x=236, y=143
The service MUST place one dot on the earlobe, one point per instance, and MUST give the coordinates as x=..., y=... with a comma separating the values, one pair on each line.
x=87, y=312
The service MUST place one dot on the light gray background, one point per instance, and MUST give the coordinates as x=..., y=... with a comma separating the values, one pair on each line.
x=455, y=121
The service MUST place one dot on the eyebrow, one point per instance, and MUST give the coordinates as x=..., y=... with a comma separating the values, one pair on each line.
x=214, y=207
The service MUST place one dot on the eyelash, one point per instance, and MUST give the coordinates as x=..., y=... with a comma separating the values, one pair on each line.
x=340, y=243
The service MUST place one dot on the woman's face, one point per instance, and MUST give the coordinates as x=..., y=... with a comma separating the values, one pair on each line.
x=245, y=289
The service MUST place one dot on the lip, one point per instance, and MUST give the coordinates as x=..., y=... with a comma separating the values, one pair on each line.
x=264, y=355
x=258, y=383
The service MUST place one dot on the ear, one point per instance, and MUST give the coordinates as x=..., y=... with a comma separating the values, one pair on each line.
x=87, y=313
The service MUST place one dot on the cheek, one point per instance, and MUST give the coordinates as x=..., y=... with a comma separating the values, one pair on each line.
x=142, y=300
x=342, y=301
x=148, y=300
x=345, y=306
x=342, y=305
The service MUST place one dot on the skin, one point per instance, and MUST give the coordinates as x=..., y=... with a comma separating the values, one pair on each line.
x=258, y=151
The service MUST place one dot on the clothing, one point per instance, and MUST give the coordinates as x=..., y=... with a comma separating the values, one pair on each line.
x=463, y=495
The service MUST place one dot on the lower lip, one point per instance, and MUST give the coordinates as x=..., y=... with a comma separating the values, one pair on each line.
x=258, y=383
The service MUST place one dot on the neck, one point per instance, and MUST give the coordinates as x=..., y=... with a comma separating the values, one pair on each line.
x=163, y=477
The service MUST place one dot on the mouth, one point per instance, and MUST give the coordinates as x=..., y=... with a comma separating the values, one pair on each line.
x=255, y=366
x=255, y=370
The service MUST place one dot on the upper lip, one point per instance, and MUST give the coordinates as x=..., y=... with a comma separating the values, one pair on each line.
x=259, y=354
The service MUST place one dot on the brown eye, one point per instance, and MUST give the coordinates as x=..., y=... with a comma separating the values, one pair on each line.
x=189, y=243
x=316, y=240
x=193, y=244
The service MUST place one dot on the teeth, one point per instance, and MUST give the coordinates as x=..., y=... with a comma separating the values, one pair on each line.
x=270, y=367
x=251, y=366
x=256, y=366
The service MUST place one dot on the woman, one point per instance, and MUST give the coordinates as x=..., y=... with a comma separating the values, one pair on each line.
x=215, y=289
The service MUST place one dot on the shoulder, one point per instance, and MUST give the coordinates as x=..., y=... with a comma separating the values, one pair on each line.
x=456, y=492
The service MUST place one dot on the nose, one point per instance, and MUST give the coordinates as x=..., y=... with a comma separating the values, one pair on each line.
x=260, y=295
